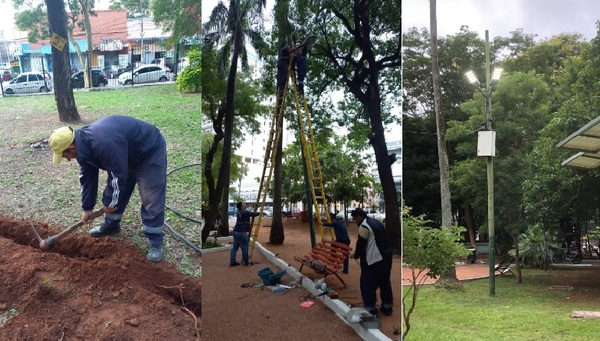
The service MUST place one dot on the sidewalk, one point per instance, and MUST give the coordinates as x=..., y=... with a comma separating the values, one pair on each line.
x=464, y=271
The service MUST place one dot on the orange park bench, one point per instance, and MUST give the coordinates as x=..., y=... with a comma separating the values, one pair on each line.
x=326, y=258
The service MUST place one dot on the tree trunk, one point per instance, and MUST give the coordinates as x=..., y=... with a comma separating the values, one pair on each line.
x=213, y=197
x=223, y=180
x=77, y=48
x=469, y=223
x=371, y=99
x=61, y=64
x=441, y=134
x=518, y=260
x=440, y=123
x=276, y=234
x=88, y=35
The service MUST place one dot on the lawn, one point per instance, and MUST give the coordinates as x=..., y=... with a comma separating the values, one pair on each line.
x=528, y=311
x=33, y=188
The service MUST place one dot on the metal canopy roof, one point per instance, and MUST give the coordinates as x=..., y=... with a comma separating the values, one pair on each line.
x=586, y=141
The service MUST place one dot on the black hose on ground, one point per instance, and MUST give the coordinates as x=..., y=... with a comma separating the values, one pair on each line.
x=175, y=233
x=178, y=235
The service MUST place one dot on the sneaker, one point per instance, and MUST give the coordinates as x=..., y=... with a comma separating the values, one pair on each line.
x=104, y=230
x=234, y=264
x=155, y=253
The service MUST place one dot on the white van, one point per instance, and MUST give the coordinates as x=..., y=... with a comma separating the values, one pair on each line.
x=28, y=82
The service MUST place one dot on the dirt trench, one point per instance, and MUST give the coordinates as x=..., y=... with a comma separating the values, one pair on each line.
x=90, y=289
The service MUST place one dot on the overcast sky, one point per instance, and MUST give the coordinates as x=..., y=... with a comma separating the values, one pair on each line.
x=7, y=19
x=542, y=17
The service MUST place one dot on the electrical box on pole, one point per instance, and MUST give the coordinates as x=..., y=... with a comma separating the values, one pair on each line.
x=486, y=143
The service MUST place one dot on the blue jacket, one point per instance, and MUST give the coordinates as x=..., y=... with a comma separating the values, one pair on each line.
x=115, y=144
x=340, y=229
x=243, y=220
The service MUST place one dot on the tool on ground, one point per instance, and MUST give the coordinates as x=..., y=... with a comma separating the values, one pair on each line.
x=48, y=243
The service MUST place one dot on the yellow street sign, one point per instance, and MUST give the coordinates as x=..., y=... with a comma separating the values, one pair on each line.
x=57, y=41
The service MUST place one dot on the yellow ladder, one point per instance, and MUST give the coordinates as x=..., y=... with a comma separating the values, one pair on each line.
x=309, y=147
x=315, y=175
x=268, y=164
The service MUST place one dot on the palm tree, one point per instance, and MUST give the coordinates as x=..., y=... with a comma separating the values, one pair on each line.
x=441, y=134
x=229, y=28
x=276, y=233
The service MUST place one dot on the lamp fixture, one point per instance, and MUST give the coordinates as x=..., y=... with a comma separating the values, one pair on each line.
x=472, y=78
x=496, y=74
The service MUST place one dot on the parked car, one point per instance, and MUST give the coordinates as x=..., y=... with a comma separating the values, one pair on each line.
x=144, y=74
x=28, y=82
x=167, y=63
x=111, y=71
x=122, y=70
x=182, y=64
x=268, y=212
x=98, y=79
x=6, y=75
x=376, y=215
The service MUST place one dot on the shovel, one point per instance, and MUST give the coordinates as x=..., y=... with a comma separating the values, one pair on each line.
x=48, y=243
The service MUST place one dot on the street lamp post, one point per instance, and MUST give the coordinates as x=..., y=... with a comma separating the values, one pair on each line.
x=488, y=139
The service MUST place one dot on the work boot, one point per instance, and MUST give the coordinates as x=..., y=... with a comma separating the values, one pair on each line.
x=105, y=230
x=155, y=253
x=386, y=311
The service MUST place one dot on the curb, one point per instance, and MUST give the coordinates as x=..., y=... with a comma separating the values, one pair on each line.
x=337, y=306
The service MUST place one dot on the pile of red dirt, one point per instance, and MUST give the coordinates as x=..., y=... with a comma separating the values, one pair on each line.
x=92, y=289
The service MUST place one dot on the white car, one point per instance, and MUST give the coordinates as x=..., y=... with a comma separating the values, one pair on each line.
x=28, y=82
x=183, y=63
x=377, y=215
x=145, y=74
x=268, y=211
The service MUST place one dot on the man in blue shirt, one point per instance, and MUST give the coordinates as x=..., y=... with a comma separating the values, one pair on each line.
x=341, y=234
x=131, y=152
x=240, y=234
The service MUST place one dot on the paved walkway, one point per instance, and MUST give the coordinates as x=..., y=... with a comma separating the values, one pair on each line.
x=464, y=271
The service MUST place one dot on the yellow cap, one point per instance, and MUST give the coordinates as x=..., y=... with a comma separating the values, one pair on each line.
x=59, y=141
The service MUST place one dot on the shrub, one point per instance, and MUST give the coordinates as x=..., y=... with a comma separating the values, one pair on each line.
x=190, y=80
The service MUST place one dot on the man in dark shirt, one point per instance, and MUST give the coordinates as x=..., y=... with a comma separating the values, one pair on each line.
x=283, y=61
x=240, y=234
x=375, y=263
x=131, y=152
x=301, y=66
x=341, y=234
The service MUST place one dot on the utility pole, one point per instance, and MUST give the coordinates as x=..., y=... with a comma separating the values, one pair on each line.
x=490, y=168
x=486, y=147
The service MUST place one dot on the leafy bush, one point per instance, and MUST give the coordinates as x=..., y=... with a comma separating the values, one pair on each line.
x=190, y=79
x=535, y=247
x=428, y=252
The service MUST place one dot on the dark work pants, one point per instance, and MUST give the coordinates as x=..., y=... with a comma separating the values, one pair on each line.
x=373, y=277
x=346, y=261
x=151, y=177
x=282, y=75
x=301, y=68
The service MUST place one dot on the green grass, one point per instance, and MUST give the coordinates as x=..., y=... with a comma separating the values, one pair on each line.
x=529, y=311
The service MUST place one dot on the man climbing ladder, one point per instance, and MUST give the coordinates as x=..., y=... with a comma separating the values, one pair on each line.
x=315, y=178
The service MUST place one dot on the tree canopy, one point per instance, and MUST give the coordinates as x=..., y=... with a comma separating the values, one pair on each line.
x=547, y=91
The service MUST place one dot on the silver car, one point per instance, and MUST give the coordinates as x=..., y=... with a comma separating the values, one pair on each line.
x=28, y=82
x=145, y=74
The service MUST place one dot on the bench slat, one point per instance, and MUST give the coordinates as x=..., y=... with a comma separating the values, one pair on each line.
x=326, y=258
